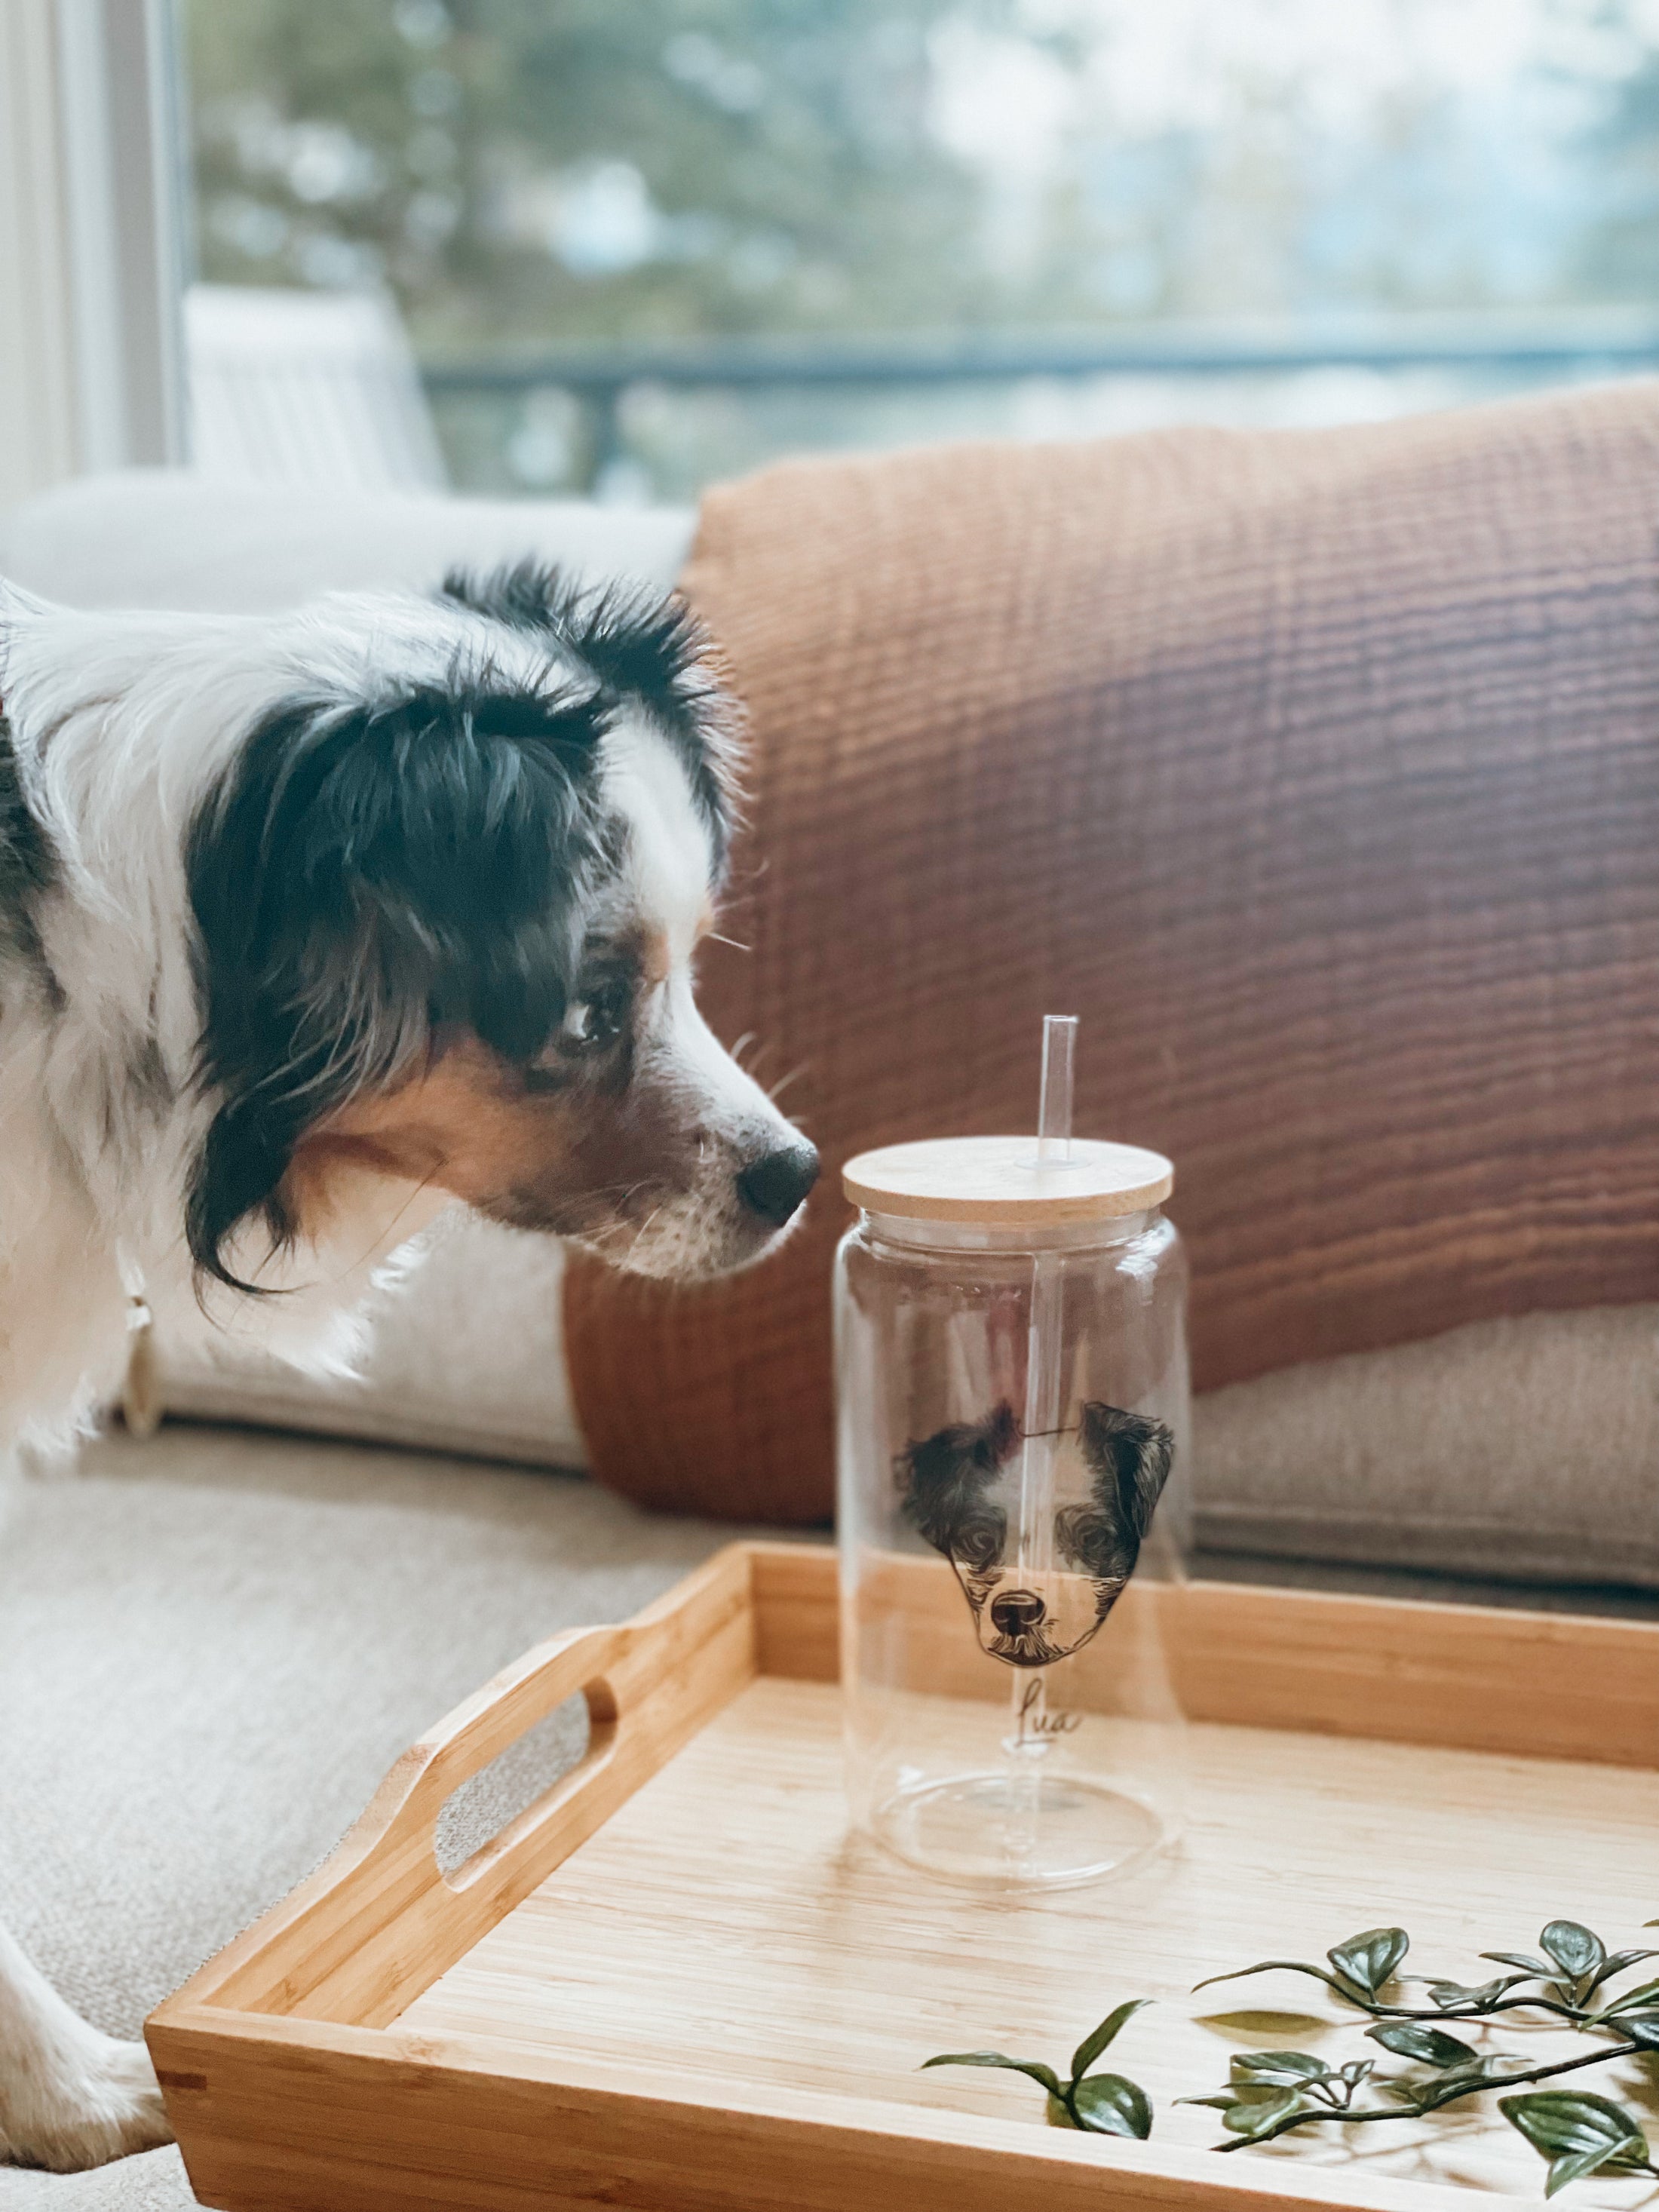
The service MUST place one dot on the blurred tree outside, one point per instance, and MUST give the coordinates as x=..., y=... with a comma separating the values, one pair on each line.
x=528, y=173
x=517, y=169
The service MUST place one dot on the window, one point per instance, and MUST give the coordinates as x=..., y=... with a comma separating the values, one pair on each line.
x=638, y=246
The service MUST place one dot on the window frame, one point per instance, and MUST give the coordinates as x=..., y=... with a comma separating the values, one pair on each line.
x=92, y=242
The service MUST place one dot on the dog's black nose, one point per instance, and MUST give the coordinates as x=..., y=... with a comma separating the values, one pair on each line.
x=1014, y=1611
x=774, y=1185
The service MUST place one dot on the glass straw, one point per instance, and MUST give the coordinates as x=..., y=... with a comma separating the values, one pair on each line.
x=1027, y=1740
x=1054, y=1100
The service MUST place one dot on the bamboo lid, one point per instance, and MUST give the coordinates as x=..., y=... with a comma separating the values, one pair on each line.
x=996, y=1180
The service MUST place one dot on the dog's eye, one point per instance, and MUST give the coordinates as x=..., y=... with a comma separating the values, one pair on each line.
x=600, y=1018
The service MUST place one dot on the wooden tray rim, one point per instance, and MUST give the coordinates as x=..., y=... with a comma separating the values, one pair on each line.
x=957, y=2143
x=758, y=1608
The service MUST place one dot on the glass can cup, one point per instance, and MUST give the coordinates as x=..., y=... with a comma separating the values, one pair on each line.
x=1014, y=1513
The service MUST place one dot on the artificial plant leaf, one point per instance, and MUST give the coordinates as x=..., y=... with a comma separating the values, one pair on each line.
x=1617, y=1962
x=1112, y=2105
x=1091, y=2045
x=1259, y=2092
x=1033, y=2067
x=1574, y=2124
x=1629, y=2000
x=1281, y=2069
x=1527, y=1963
x=1369, y=1959
x=1572, y=2167
x=1458, y=1995
x=1255, y=2116
x=1490, y=2066
x=1286, y=1966
x=1576, y=1949
x=1405, y=2092
x=1411, y=2039
x=1642, y=2028
x=1220, y=2100
x=1494, y=2070
x=1357, y=2069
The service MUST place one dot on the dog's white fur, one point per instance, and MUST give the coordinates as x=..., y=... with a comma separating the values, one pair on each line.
x=120, y=725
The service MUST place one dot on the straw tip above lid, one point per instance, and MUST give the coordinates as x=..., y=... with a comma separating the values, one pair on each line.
x=999, y=1179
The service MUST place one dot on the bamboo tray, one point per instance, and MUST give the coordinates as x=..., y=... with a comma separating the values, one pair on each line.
x=676, y=1984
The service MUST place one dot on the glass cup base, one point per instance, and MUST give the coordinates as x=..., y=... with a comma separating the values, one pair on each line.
x=1014, y=1831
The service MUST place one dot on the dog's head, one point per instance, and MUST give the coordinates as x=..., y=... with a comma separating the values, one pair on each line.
x=959, y=1489
x=444, y=866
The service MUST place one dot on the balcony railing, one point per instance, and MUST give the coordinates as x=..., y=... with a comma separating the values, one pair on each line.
x=600, y=376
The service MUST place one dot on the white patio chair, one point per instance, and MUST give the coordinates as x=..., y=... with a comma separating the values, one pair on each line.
x=317, y=388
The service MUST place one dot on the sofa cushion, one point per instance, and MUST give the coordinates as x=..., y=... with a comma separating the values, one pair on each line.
x=467, y=1354
x=165, y=537
x=1316, y=771
x=1526, y=1447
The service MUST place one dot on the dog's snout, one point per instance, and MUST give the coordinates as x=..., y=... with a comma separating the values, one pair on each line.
x=774, y=1185
x=1013, y=1612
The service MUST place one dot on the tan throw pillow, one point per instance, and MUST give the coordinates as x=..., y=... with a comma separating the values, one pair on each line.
x=1317, y=771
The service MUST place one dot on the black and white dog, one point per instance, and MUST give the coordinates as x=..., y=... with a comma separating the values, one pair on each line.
x=309, y=927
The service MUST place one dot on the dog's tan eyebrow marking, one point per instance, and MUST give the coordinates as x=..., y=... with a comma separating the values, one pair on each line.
x=651, y=949
x=642, y=947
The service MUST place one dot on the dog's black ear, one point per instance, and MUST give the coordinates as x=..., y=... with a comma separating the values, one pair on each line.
x=942, y=1482
x=635, y=641
x=527, y=595
x=638, y=646
x=28, y=865
x=362, y=874
x=1129, y=1456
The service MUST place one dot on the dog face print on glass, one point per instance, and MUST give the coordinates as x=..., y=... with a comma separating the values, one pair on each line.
x=960, y=1491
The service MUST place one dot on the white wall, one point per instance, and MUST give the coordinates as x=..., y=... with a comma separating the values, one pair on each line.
x=90, y=259
x=38, y=407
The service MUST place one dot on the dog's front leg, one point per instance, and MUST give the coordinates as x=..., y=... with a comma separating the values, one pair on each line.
x=69, y=2098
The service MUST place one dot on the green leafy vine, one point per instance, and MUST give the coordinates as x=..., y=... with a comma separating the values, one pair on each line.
x=1269, y=2093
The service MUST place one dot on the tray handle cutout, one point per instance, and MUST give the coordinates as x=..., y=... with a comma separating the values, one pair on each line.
x=501, y=1727
x=646, y=1682
x=487, y=1817
x=397, y=1904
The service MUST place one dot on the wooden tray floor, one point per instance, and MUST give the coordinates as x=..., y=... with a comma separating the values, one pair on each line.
x=724, y=1923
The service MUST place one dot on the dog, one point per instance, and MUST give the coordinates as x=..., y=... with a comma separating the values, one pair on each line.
x=955, y=1491
x=310, y=926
